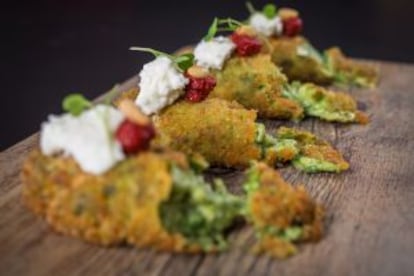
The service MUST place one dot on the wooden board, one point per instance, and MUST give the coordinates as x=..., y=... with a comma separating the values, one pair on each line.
x=369, y=224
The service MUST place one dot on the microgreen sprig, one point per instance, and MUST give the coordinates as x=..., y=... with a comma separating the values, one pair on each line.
x=182, y=62
x=222, y=25
x=268, y=10
x=108, y=98
x=250, y=7
x=75, y=104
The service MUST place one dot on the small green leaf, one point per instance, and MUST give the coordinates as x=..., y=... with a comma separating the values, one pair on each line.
x=75, y=104
x=184, y=61
x=269, y=10
x=212, y=30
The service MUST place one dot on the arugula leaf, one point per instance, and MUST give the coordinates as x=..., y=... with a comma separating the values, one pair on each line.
x=184, y=61
x=269, y=10
x=212, y=30
x=75, y=104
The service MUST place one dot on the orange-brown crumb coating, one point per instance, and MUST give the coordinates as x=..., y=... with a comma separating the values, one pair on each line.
x=256, y=83
x=120, y=206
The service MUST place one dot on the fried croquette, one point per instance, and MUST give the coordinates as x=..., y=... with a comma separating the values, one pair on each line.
x=313, y=154
x=256, y=83
x=280, y=213
x=222, y=132
x=261, y=82
x=227, y=135
x=300, y=61
x=350, y=71
x=153, y=199
x=325, y=104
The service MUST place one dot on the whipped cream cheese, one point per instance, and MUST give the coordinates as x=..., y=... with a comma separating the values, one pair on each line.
x=213, y=53
x=160, y=85
x=88, y=138
x=266, y=26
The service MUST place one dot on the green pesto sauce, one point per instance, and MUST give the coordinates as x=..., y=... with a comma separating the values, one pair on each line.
x=316, y=104
x=197, y=211
x=287, y=144
x=265, y=141
x=290, y=233
x=312, y=165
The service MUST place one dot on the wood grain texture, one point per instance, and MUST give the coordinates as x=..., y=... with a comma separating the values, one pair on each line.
x=369, y=224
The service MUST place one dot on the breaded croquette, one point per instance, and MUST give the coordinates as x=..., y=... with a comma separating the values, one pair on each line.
x=300, y=61
x=314, y=154
x=280, y=213
x=259, y=82
x=221, y=131
x=347, y=70
x=325, y=104
x=148, y=200
x=227, y=135
x=256, y=83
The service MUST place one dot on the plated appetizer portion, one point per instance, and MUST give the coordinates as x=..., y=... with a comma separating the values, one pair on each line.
x=227, y=135
x=96, y=178
x=322, y=103
x=281, y=214
x=297, y=57
x=313, y=154
x=154, y=199
x=244, y=72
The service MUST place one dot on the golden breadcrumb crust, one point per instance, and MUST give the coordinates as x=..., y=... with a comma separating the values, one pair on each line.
x=120, y=206
x=223, y=132
x=314, y=147
x=256, y=83
x=278, y=204
x=297, y=67
x=351, y=69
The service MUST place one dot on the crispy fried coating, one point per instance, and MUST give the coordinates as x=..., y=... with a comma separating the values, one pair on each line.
x=227, y=135
x=154, y=199
x=221, y=131
x=280, y=213
x=256, y=83
x=350, y=71
x=116, y=207
x=325, y=104
x=299, y=61
x=314, y=153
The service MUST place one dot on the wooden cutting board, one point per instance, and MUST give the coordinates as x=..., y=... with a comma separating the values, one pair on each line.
x=370, y=208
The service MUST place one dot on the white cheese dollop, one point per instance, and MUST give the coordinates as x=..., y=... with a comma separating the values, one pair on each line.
x=213, y=53
x=160, y=85
x=88, y=138
x=266, y=26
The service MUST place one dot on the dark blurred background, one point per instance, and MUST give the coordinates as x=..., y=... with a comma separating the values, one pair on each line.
x=52, y=48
